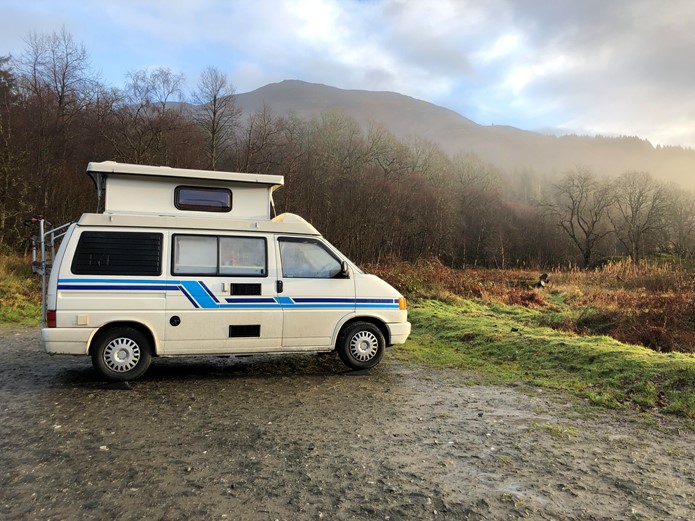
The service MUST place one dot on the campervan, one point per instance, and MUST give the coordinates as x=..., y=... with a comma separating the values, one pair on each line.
x=188, y=262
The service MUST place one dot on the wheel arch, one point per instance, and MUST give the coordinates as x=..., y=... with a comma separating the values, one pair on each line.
x=372, y=320
x=138, y=326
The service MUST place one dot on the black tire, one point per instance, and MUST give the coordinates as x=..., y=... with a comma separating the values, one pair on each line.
x=120, y=354
x=361, y=345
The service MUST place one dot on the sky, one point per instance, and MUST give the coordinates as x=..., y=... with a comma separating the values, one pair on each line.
x=608, y=67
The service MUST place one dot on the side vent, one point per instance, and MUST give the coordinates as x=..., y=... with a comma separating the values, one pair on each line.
x=253, y=331
x=246, y=289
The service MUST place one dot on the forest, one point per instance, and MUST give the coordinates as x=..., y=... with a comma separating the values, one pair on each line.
x=375, y=196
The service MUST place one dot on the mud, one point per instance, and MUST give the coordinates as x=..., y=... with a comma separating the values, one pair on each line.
x=295, y=437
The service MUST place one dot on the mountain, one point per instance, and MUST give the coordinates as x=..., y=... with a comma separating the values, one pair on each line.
x=509, y=148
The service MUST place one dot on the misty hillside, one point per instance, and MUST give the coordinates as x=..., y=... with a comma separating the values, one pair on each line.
x=509, y=148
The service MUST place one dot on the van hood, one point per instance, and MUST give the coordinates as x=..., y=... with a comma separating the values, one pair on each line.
x=371, y=286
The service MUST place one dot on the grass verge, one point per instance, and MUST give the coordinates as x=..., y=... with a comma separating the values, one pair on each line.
x=20, y=292
x=507, y=344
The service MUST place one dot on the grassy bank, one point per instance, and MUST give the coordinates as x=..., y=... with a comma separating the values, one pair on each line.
x=651, y=304
x=509, y=344
x=20, y=292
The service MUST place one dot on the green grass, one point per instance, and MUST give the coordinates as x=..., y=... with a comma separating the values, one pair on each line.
x=20, y=294
x=508, y=344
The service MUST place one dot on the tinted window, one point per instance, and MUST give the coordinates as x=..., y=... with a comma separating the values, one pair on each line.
x=118, y=253
x=203, y=199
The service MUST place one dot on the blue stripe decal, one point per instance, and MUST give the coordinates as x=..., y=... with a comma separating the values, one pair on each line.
x=120, y=281
x=201, y=297
x=324, y=300
x=115, y=287
x=207, y=290
x=189, y=297
x=268, y=300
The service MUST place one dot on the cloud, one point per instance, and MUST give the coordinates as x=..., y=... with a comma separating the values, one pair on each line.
x=618, y=67
x=613, y=67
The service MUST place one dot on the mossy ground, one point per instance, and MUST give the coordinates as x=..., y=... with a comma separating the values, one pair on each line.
x=510, y=344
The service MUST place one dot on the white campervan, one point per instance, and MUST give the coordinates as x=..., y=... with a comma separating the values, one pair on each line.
x=190, y=262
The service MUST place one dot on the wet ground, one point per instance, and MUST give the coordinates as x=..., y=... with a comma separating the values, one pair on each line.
x=296, y=437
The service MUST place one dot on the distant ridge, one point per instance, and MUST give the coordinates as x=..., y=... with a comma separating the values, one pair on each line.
x=509, y=148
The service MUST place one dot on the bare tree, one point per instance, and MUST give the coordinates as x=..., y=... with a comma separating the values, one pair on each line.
x=680, y=222
x=56, y=85
x=638, y=211
x=139, y=120
x=12, y=185
x=579, y=203
x=217, y=113
x=476, y=188
x=56, y=70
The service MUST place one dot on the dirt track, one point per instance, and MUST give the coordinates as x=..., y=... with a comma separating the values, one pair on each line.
x=295, y=438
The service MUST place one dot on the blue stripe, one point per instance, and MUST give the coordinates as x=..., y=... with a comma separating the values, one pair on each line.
x=269, y=300
x=115, y=287
x=121, y=281
x=200, y=296
x=249, y=306
x=284, y=301
x=208, y=291
x=189, y=297
x=324, y=300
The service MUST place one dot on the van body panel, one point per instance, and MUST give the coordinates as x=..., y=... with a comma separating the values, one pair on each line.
x=315, y=297
x=52, y=287
x=372, y=289
x=66, y=341
x=221, y=312
x=399, y=332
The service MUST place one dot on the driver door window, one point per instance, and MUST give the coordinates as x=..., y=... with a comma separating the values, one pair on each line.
x=307, y=258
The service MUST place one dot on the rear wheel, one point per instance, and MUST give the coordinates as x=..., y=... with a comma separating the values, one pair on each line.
x=361, y=345
x=122, y=353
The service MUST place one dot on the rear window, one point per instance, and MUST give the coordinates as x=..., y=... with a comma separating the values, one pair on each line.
x=118, y=253
x=203, y=199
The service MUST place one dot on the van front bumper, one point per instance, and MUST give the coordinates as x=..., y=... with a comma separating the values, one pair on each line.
x=66, y=340
x=399, y=332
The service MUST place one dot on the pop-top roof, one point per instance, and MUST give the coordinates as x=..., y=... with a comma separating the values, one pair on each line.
x=99, y=170
x=143, y=189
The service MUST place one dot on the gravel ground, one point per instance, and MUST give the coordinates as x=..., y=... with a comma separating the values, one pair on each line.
x=297, y=437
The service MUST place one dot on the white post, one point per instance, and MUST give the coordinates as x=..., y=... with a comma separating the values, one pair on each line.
x=43, y=271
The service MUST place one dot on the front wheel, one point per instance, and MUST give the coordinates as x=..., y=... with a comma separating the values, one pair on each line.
x=123, y=353
x=361, y=345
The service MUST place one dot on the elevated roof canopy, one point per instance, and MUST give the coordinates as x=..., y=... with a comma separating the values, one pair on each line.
x=143, y=189
x=101, y=170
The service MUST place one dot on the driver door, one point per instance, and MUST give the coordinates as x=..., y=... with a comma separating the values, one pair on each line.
x=315, y=294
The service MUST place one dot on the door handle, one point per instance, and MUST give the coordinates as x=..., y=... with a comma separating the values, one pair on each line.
x=279, y=286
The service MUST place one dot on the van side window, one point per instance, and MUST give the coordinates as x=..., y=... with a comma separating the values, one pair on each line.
x=307, y=258
x=203, y=199
x=223, y=256
x=242, y=256
x=195, y=255
x=118, y=253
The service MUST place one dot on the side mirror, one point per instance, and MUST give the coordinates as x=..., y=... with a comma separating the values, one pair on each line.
x=344, y=270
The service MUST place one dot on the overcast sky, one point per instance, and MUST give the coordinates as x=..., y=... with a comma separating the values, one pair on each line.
x=611, y=67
